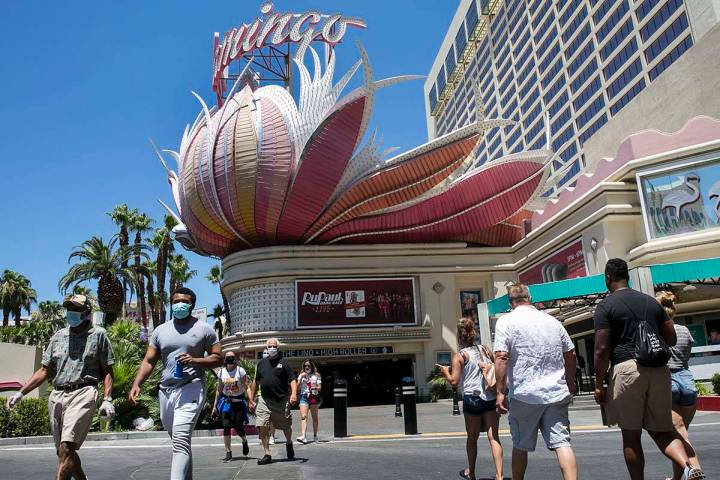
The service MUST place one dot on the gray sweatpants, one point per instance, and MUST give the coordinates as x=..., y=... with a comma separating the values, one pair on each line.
x=179, y=411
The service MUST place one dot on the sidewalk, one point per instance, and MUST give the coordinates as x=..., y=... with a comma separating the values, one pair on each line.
x=432, y=418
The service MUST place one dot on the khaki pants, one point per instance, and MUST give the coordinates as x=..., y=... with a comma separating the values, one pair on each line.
x=71, y=414
x=640, y=397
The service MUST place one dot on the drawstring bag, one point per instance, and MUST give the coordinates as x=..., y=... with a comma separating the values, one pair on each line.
x=650, y=348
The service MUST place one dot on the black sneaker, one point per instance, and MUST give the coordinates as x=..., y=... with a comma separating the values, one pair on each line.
x=228, y=457
x=246, y=448
x=265, y=460
x=290, y=451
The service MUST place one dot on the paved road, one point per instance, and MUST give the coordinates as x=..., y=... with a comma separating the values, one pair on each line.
x=432, y=455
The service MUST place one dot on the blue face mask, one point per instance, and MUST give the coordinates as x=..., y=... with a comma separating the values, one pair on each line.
x=74, y=319
x=181, y=310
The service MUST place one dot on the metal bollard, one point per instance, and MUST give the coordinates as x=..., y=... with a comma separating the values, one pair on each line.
x=340, y=408
x=398, y=394
x=409, y=405
x=456, y=402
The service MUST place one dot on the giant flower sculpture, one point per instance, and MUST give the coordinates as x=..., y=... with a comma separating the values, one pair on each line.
x=265, y=170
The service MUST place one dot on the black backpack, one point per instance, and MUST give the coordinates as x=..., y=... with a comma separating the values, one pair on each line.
x=650, y=348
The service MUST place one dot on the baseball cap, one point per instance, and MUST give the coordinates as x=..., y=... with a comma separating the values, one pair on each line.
x=77, y=301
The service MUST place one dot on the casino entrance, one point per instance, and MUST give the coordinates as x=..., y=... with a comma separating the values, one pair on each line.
x=370, y=381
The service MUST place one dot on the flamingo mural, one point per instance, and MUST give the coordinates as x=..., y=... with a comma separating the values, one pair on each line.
x=682, y=195
x=264, y=169
x=714, y=196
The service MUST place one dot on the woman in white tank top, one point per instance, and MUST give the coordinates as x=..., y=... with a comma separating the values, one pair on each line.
x=478, y=399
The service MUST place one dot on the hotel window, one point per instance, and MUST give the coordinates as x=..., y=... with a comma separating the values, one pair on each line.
x=530, y=100
x=550, y=75
x=616, y=40
x=563, y=138
x=558, y=104
x=590, y=112
x=573, y=26
x=579, y=40
x=569, y=152
x=550, y=57
x=550, y=94
x=450, y=61
x=545, y=27
x=568, y=12
x=561, y=120
x=433, y=97
x=441, y=81
x=584, y=75
x=589, y=91
x=645, y=8
x=674, y=54
x=612, y=21
x=665, y=12
x=620, y=59
x=513, y=138
x=624, y=79
x=522, y=43
x=581, y=57
x=510, y=109
x=541, y=11
x=585, y=136
x=666, y=38
x=527, y=72
x=524, y=91
x=460, y=40
x=532, y=133
x=629, y=95
x=508, y=96
x=471, y=18
x=531, y=116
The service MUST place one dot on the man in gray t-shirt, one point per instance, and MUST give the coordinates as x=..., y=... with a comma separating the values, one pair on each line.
x=187, y=348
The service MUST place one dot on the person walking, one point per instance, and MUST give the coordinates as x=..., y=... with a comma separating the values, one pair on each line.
x=279, y=391
x=638, y=396
x=187, y=347
x=535, y=364
x=310, y=387
x=77, y=358
x=684, y=393
x=230, y=403
x=478, y=398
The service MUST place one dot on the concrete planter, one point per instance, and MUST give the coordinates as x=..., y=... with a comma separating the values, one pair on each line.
x=709, y=403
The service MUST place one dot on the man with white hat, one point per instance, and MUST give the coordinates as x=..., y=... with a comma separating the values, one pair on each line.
x=78, y=357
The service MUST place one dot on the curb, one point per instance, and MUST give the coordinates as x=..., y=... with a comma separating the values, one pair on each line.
x=709, y=403
x=114, y=436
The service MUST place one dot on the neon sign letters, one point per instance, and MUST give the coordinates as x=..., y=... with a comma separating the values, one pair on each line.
x=277, y=29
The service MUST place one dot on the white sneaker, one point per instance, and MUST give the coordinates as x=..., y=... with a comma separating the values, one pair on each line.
x=316, y=439
x=301, y=439
x=272, y=440
x=691, y=473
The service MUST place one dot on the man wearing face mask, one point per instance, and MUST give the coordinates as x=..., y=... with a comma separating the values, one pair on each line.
x=187, y=347
x=78, y=357
x=274, y=375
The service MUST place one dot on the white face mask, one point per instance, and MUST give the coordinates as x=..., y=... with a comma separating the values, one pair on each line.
x=272, y=352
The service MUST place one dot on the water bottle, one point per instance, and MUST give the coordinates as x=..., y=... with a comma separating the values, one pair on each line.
x=178, y=369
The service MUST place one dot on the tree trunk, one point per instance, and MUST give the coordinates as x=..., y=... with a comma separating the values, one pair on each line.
x=111, y=298
x=124, y=242
x=141, y=281
x=6, y=317
x=161, y=270
x=226, y=306
x=151, y=301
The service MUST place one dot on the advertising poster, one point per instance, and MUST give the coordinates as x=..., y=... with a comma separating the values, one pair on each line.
x=355, y=302
x=569, y=262
x=681, y=200
x=469, y=301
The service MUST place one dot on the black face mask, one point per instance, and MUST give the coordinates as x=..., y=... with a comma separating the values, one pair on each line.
x=229, y=361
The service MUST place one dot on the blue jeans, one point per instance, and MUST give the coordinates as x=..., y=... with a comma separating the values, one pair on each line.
x=684, y=392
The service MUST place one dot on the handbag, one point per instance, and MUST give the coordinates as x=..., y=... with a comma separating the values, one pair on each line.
x=488, y=369
x=650, y=348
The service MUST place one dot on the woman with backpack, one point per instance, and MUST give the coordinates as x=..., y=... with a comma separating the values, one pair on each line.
x=310, y=386
x=230, y=403
x=473, y=371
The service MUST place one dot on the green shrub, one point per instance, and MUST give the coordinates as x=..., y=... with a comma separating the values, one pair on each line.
x=29, y=418
x=702, y=388
x=716, y=383
x=439, y=386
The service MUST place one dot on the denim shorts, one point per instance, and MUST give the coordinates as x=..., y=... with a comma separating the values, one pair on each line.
x=476, y=406
x=684, y=392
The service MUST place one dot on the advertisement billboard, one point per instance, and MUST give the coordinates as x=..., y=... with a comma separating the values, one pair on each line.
x=355, y=302
x=568, y=262
x=680, y=198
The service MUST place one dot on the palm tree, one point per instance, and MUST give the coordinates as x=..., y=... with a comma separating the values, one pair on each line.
x=217, y=314
x=152, y=270
x=180, y=272
x=104, y=262
x=87, y=291
x=51, y=311
x=122, y=216
x=164, y=244
x=16, y=294
x=215, y=277
x=140, y=223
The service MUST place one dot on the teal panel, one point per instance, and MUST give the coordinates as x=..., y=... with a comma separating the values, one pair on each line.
x=498, y=305
x=685, y=271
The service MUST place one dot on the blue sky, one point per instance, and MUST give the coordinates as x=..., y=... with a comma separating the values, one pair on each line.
x=85, y=84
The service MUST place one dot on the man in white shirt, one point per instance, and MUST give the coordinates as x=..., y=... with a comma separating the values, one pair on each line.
x=535, y=363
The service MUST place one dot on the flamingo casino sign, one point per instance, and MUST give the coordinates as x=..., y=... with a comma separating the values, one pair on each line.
x=277, y=29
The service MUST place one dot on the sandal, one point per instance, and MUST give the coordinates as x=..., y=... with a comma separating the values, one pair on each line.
x=464, y=475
